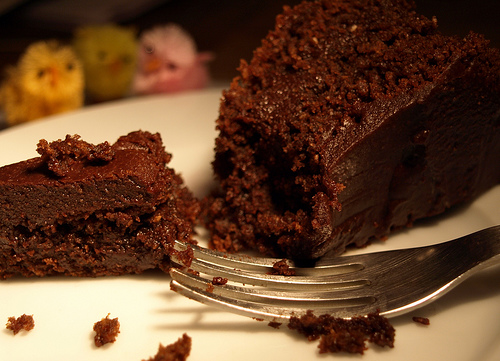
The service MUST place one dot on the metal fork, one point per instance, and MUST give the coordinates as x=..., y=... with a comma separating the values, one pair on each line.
x=390, y=282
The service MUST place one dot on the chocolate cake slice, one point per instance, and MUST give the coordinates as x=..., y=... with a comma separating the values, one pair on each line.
x=92, y=210
x=353, y=118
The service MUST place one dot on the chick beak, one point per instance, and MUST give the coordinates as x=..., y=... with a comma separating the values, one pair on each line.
x=54, y=76
x=152, y=65
x=115, y=67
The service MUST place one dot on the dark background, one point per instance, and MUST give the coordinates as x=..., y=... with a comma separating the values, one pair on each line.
x=229, y=28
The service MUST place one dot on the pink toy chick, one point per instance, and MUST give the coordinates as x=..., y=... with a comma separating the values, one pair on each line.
x=168, y=61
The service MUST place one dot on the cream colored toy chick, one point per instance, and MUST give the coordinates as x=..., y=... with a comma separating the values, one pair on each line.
x=168, y=61
x=108, y=53
x=48, y=79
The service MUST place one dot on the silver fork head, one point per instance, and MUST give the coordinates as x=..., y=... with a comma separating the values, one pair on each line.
x=246, y=286
x=390, y=283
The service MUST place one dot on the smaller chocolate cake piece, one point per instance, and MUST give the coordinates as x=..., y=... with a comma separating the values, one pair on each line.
x=92, y=210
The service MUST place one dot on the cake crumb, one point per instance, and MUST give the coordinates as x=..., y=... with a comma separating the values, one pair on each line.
x=61, y=155
x=23, y=322
x=282, y=268
x=177, y=351
x=185, y=257
x=106, y=331
x=274, y=324
x=344, y=335
x=219, y=281
x=421, y=320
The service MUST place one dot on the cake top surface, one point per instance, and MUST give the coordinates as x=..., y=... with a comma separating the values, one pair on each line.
x=326, y=67
x=325, y=61
x=72, y=179
x=139, y=155
x=60, y=155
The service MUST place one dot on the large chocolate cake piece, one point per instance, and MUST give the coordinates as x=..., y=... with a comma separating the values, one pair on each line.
x=354, y=118
x=91, y=210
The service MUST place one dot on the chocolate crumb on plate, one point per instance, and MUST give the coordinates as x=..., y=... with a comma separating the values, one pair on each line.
x=23, y=322
x=106, y=331
x=274, y=324
x=421, y=320
x=337, y=334
x=177, y=351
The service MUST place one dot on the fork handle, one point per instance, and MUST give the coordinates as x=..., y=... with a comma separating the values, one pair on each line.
x=481, y=248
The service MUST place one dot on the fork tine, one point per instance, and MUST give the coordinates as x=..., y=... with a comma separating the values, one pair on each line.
x=333, y=282
x=259, y=294
x=335, y=289
x=267, y=304
x=239, y=261
x=206, y=259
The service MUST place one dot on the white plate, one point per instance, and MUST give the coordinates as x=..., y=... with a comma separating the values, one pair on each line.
x=465, y=324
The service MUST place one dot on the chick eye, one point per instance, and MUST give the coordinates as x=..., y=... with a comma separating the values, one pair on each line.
x=149, y=49
x=101, y=55
x=40, y=73
x=70, y=66
x=171, y=66
x=127, y=59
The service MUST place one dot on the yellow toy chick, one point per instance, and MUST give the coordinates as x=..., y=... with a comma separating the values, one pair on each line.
x=108, y=53
x=48, y=79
